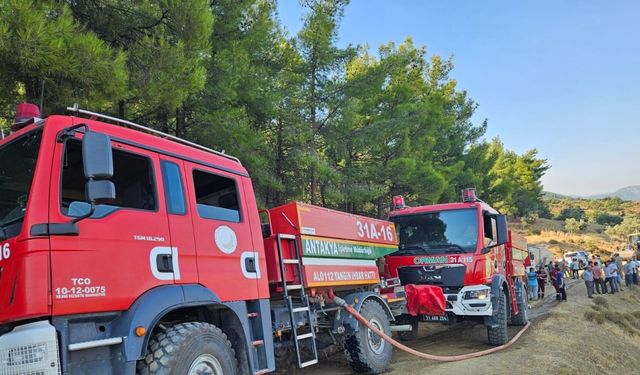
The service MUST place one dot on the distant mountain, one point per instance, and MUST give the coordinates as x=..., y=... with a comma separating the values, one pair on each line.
x=629, y=193
x=551, y=195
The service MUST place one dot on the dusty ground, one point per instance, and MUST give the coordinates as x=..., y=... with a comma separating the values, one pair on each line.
x=562, y=340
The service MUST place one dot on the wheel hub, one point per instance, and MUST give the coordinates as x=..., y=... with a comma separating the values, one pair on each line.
x=205, y=364
x=376, y=343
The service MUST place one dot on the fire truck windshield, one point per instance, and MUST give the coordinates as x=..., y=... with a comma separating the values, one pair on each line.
x=454, y=231
x=17, y=165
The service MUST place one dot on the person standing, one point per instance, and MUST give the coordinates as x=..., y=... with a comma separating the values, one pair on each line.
x=587, y=276
x=561, y=293
x=597, y=278
x=634, y=267
x=542, y=280
x=618, y=260
x=575, y=266
x=628, y=274
x=564, y=268
x=532, y=281
x=608, y=276
x=553, y=277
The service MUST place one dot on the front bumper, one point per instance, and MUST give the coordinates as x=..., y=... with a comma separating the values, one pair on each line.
x=30, y=349
x=459, y=305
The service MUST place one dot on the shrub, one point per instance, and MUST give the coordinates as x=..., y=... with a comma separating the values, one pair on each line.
x=573, y=226
x=601, y=301
x=530, y=218
x=608, y=219
x=594, y=316
x=571, y=213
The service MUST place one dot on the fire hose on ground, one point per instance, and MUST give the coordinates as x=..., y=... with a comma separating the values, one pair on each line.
x=448, y=358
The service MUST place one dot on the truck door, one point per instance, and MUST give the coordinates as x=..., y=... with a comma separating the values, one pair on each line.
x=179, y=214
x=227, y=262
x=124, y=249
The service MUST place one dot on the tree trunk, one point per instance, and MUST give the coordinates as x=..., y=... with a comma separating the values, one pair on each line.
x=380, y=207
x=314, y=186
x=164, y=123
x=180, y=127
x=279, y=156
x=121, y=109
x=314, y=125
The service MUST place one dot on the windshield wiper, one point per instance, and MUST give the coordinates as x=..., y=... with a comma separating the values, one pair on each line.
x=410, y=249
x=453, y=248
x=4, y=224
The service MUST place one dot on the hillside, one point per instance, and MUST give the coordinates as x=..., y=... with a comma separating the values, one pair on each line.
x=597, y=217
x=629, y=193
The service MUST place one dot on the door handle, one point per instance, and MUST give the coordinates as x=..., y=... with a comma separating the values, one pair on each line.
x=164, y=262
x=250, y=264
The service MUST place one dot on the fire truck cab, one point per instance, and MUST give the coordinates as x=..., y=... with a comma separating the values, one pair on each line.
x=467, y=251
x=124, y=250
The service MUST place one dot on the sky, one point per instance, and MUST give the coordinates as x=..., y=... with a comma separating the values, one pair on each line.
x=562, y=77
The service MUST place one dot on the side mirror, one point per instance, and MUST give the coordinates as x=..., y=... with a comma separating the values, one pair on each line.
x=503, y=230
x=97, y=156
x=102, y=191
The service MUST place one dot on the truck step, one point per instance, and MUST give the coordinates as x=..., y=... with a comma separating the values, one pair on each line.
x=301, y=309
x=261, y=372
x=294, y=287
x=304, y=336
x=252, y=315
x=290, y=261
x=257, y=342
x=308, y=363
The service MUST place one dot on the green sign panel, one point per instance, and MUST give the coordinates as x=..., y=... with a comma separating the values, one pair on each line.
x=330, y=248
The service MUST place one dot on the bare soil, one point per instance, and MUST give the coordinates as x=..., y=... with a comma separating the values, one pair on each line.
x=562, y=340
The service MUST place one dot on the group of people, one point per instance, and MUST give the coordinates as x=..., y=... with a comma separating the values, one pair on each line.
x=599, y=277
x=537, y=280
x=607, y=277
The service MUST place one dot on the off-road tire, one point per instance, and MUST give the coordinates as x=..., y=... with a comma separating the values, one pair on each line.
x=523, y=314
x=499, y=335
x=357, y=349
x=172, y=351
x=410, y=335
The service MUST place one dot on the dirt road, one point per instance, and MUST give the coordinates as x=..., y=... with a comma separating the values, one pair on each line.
x=543, y=347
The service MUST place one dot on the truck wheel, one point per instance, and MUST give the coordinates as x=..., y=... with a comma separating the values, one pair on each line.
x=366, y=351
x=498, y=334
x=523, y=313
x=189, y=349
x=410, y=335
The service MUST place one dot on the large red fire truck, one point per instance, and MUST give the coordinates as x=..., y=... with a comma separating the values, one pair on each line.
x=126, y=252
x=467, y=250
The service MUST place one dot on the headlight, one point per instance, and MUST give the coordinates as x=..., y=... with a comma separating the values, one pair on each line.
x=480, y=294
x=26, y=355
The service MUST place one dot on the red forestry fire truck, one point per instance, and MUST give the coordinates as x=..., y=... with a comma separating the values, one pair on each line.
x=468, y=251
x=126, y=252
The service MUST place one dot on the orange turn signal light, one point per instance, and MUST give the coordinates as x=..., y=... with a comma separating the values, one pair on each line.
x=140, y=331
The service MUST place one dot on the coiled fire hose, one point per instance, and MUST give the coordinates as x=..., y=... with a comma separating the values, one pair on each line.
x=441, y=358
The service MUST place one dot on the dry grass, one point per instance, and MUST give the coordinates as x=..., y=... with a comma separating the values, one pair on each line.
x=553, y=234
x=562, y=242
x=624, y=315
x=606, y=342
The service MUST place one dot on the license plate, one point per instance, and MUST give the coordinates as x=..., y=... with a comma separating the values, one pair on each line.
x=435, y=318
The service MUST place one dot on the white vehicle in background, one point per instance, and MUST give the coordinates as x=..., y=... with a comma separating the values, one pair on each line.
x=581, y=256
